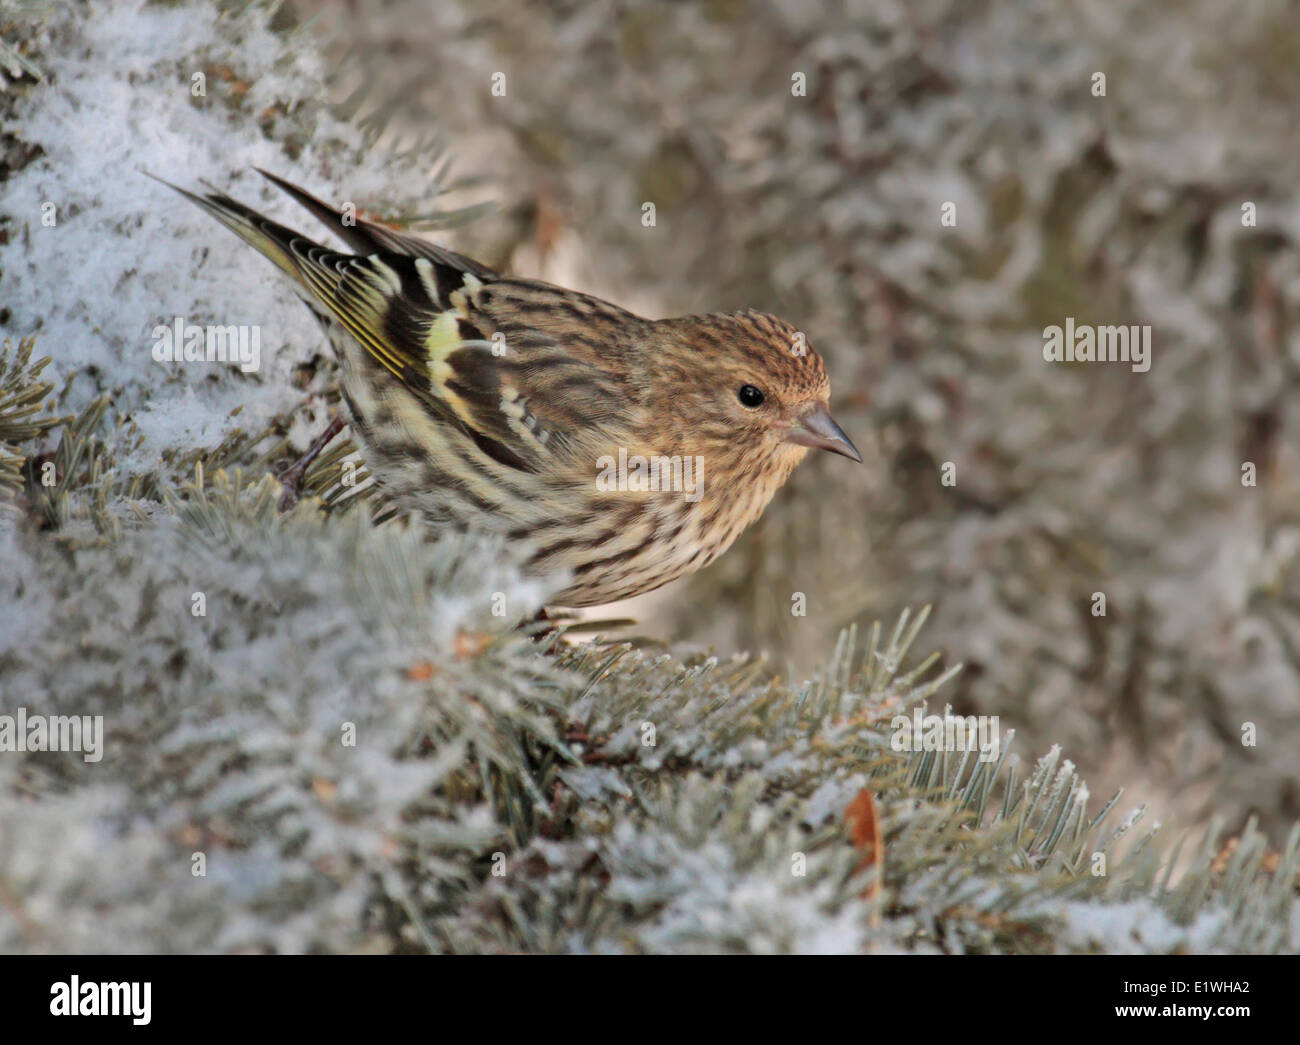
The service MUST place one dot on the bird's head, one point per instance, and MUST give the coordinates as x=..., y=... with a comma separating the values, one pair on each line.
x=748, y=388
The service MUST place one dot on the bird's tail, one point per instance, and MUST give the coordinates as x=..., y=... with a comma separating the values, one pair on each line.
x=281, y=244
x=392, y=298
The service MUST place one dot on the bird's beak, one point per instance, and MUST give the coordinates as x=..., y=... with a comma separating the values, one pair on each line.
x=815, y=428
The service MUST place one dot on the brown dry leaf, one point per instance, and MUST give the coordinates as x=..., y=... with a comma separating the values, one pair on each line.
x=379, y=219
x=550, y=224
x=238, y=86
x=324, y=789
x=864, y=830
x=1220, y=863
x=471, y=643
x=1269, y=862
x=421, y=672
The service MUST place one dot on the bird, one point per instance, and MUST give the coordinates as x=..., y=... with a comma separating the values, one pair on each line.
x=621, y=453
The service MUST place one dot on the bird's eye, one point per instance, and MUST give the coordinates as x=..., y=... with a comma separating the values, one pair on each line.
x=749, y=396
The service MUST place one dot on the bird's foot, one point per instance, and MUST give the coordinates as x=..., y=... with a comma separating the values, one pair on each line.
x=291, y=478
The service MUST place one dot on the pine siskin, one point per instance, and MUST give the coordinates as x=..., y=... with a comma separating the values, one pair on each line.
x=628, y=452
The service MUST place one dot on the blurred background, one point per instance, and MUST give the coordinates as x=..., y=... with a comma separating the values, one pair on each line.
x=799, y=156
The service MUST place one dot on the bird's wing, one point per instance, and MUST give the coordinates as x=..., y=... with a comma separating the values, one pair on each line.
x=521, y=367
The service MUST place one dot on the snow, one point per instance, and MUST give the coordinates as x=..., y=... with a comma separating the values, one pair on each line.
x=126, y=253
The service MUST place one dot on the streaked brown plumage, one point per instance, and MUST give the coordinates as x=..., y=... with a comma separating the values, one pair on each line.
x=507, y=404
